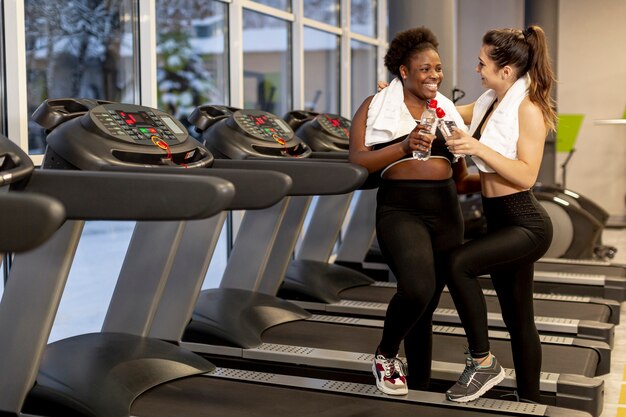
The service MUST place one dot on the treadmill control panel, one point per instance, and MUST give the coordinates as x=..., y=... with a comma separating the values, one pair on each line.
x=263, y=126
x=334, y=125
x=136, y=124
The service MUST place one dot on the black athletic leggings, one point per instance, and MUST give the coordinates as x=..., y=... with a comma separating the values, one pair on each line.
x=417, y=223
x=519, y=232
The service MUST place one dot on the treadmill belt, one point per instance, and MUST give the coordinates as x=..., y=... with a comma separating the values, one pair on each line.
x=446, y=348
x=543, y=308
x=208, y=397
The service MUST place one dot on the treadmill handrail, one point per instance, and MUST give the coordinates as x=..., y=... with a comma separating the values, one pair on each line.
x=28, y=220
x=90, y=195
x=309, y=177
x=254, y=188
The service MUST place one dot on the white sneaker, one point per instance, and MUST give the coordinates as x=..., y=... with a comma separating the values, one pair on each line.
x=390, y=375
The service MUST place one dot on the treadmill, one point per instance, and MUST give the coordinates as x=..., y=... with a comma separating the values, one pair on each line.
x=337, y=289
x=28, y=219
x=589, y=279
x=243, y=321
x=576, y=262
x=114, y=374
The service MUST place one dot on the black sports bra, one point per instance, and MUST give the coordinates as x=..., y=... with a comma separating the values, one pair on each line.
x=477, y=134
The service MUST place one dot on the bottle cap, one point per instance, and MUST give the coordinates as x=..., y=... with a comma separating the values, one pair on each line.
x=440, y=113
x=432, y=103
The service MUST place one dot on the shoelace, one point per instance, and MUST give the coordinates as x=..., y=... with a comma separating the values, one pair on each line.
x=392, y=365
x=470, y=367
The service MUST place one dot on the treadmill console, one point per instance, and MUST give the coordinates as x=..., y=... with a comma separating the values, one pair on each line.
x=323, y=132
x=334, y=125
x=93, y=135
x=261, y=125
x=247, y=133
x=134, y=124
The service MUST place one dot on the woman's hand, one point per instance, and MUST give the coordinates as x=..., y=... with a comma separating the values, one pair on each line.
x=417, y=140
x=461, y=143
x=381, y=85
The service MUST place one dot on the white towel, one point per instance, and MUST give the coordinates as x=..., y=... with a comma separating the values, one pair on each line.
x=502, y=129
x=389, y=118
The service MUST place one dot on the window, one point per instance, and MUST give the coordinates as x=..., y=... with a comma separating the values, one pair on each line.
x=326, y=11
x=78, y=49
x=363, y=59
x=321, y=71
x=278, y=4
x=266, y=63
x=83, y=49
x=192, y=64
x=363, y=17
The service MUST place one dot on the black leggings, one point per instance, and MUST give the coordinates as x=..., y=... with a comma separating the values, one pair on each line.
x=519, y=232
x=417, y=223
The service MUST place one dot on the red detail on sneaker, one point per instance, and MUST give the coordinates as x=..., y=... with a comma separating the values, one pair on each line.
x=393, y=380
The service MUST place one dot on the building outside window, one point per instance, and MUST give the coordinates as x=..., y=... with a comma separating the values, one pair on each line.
x=192, y=60
x=78, y=49
x=266, y=63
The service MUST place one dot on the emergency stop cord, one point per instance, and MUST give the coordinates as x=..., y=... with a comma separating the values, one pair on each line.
x=160, y=143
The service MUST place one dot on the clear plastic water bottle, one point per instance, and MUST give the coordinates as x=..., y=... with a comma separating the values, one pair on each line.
x=445, y=127
x=427, y=124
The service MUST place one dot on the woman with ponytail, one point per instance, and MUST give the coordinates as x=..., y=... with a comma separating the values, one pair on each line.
x=509, y=124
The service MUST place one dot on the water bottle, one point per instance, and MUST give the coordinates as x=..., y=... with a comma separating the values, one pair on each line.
x=445, y=127
x=427, y=124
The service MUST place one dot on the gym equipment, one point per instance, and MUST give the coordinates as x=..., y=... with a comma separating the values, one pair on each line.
x=218, y=392
x=257, y=329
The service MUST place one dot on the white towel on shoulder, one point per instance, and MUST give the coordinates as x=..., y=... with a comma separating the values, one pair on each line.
x=389, y=118
x=502, y=129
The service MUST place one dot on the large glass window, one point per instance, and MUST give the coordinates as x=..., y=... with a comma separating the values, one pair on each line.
x=363, y=17
x=79, y=48
x=363, y=74
x=278, y=4
x=326, y=11
x=83, y=48
x=266, y=63
x=192, y=55
x=321, y=71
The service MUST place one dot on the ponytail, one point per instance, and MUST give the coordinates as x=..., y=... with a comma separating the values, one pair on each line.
x=541, y=74
x=527, y=51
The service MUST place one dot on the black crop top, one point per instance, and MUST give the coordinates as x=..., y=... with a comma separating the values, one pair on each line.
x=438, y=149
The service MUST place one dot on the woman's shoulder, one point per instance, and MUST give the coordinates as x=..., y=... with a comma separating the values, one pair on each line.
x=529, y=111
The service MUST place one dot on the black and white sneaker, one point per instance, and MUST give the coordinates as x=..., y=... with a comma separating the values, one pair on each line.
x=475, y=380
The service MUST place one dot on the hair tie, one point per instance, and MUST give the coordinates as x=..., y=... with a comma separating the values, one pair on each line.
x=526, y=34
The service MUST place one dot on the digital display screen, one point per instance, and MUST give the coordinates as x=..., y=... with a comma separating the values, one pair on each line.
x=135, y=118
x=172, y=125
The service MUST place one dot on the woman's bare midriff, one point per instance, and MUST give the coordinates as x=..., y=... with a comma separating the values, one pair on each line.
x=493, y=185
x=432, y=169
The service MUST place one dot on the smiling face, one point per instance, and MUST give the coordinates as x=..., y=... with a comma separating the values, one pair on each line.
x=489, y=72
x=424, y=74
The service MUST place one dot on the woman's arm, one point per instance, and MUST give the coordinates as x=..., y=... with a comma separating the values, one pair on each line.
x=466, y=183
x=466, y=111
